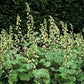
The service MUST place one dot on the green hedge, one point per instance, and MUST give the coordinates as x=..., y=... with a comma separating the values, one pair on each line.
x=68, y=11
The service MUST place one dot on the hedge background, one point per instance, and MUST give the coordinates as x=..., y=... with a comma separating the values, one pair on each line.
x=68, y=11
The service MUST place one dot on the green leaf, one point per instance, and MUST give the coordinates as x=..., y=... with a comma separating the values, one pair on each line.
x=11, y=52
x=18, y=56
x=10, y=82
x=13, y=77
x=57, y=58
x=26, y=53
x=29, y=66
x=63, y=75
x=49, y=56
x=15, y=61
x=25, y=76
x=81, y=76
x=75, y=51
x=42, y=60
x=72, y=64
x=40, y=51
x=33, y=46
x=70, y=82
x=62, y=69
x=6, y=64
x=21, y=69
x=46, y=81
x=71, y=71
x=25, y=67
x=41, y=73
x=47, y=64
x=72, y=78
x=53, y=69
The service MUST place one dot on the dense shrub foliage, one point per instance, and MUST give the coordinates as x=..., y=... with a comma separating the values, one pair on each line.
x=41, y=57
x=68, y=11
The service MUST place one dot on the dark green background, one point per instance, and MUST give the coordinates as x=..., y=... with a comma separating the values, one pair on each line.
x=68, y=11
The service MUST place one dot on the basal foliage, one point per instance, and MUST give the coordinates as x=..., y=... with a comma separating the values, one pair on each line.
x=45, y=57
